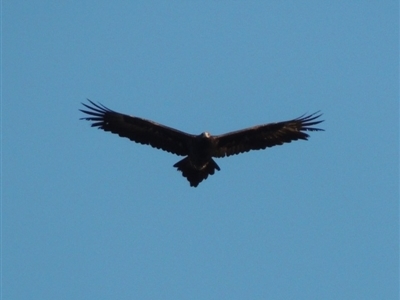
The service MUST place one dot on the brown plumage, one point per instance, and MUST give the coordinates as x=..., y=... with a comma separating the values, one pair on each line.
x=199, y=149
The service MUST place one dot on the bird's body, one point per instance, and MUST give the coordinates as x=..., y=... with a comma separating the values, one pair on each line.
x=199, y=163
x=199, y=150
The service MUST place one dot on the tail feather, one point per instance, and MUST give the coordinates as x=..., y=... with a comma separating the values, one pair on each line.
x=194, y=175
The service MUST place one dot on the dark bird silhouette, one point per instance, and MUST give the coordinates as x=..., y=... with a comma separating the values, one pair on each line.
x=199, y=149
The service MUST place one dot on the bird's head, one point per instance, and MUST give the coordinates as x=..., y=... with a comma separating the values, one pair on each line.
x=205, y=134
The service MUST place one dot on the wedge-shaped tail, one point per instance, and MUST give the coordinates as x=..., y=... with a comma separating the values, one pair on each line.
x=193, y=174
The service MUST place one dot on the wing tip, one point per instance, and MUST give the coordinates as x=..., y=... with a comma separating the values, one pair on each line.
x=94, y=111
x=308, y=120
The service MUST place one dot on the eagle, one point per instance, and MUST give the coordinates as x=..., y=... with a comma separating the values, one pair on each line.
x=199, y=150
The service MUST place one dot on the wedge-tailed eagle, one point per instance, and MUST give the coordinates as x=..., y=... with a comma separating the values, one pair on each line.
x=199, y=150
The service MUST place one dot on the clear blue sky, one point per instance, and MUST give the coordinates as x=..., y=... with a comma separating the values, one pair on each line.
x=89, y=215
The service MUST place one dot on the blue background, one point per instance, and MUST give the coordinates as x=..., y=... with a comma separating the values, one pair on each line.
x=89, y=215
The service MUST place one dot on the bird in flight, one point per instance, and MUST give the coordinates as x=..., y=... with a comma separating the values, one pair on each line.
x=199, y=150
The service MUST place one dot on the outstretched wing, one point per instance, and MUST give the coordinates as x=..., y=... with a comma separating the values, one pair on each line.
x=263, y=136
x=136, y=129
